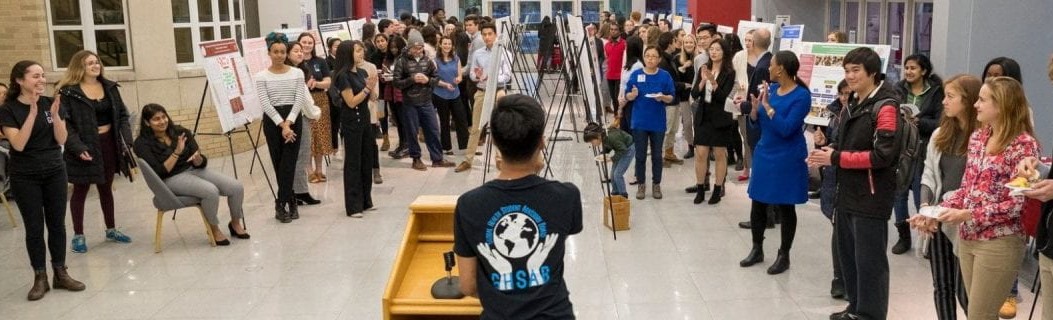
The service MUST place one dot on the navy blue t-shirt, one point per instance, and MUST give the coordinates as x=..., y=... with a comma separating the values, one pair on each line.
x=517, y=230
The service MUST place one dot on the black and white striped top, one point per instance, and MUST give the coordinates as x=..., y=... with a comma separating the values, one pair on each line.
x=282, y=89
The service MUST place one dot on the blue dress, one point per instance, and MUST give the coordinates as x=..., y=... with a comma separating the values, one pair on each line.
x=780, y=174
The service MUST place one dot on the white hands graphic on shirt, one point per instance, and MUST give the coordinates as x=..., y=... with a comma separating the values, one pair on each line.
x=498, y=262
x=539, y=256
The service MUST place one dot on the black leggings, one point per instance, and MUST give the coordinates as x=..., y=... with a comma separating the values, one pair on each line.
x=42, y=202
x=612, y=89
x=283, y=154
x=452, y=109
x=759, y=221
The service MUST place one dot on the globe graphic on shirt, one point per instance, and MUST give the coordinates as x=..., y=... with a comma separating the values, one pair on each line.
x=515, y=235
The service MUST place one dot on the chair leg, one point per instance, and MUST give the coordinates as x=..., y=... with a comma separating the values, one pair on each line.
x=208, y=227
x=10, y=214
x=157, y=232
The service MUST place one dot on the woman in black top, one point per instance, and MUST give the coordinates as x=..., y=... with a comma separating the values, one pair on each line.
x=36, y=130
x=174, y=155
x=316, y=73
x=380, y=43
x=99, y=135
x=713, y=126
x=354, y=86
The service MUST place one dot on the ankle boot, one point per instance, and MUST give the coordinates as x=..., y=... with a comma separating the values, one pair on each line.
x=40, y=285
x=782, y=262
x=718, y=192
x=280, y=212
x=904, y=244
x=700, y=194
x=377, y=178
x=306, y=199
x=386, y=144
x=294, y=211
x=64, y=281
x=756, y=256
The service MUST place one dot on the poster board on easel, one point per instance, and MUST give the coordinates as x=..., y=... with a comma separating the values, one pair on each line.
x=822, y=70
x=492, y=72
x=355, y=26
x=339, y=30
x=231, y=86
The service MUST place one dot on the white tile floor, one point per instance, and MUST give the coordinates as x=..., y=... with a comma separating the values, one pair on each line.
x=679, y=261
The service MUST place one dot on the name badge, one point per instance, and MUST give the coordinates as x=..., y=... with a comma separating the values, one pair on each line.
x=641, y=78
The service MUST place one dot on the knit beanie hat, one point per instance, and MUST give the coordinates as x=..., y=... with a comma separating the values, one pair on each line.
x=415, y=39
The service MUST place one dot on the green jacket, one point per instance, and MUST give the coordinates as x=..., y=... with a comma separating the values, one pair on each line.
x=619, y=141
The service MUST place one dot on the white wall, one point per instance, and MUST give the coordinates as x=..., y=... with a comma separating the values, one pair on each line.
x=273, y=13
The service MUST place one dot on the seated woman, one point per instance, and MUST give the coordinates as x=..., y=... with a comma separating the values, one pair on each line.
x=174, y=155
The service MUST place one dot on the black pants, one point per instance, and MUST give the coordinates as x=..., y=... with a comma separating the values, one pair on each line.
x=862, y=244
x=334, y=124
x=459, y=113
x=612, y=89
x=735, y=149
x=283, y=154
x=948, y=289
x=759, y=220
x=41, y=199
x=398, y=110
x=839, y=276
x=360, y=148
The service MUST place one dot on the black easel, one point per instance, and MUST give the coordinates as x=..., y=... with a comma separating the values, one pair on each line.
x=573, y=51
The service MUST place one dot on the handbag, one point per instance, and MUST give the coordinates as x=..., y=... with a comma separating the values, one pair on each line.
x=126, y=163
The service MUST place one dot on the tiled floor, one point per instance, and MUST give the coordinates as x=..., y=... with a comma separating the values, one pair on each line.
x=679, y=261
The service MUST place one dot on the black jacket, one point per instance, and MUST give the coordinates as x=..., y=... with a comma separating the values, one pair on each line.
x=756, y=75
x=1043, y=239
x=931, y=107
x=865, y=157
x=84, y=135
x=712, y=113
x=669, y=65
x=415, y=94
x=155, y=153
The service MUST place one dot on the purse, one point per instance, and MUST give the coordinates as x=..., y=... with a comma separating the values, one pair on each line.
x=126, y=163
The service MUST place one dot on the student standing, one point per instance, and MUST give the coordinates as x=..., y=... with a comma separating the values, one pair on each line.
x=650, y=89
x=355, y=86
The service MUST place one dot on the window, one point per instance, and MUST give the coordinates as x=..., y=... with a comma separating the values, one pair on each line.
x=96, y=25
x=561, y=6
x=659, y=6
x=331, y=10
x=873, y=23
x=427, y=6
x=197, y=21
x=403, y=6
x=835, y=17
x=852, y=21
x=380, y=9
x=500, y=9
x=530, y=14
x=923, y=28
x=590, y=11
x=469, y=7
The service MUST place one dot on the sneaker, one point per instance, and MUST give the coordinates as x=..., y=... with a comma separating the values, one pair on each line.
x=78, y=244
x=117, y=236
x=1008, y=310
x=357, y=215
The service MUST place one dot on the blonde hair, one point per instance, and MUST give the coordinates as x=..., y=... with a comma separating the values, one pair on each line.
x=968, y=87
x=76, y=70
x=1014, y=112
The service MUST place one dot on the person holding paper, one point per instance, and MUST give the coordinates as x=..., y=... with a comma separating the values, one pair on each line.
x=944, y=167
x=479, y=68
x=650, y=89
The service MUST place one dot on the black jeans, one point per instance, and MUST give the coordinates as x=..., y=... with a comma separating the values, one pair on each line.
x=400, y=123
x=862, y=244
x=759, y=221
x=41, y=199
x=360, y=148
x=612, y=89
x=459, y=113
x=283, y=154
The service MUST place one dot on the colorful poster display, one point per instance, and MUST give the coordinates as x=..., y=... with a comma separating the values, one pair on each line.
x=791, y=36
x=230, y=84
x=822, y=70
x=338, y=30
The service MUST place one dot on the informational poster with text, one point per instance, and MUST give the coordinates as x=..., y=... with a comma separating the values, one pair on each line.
x=822, y=70
x=230, y=83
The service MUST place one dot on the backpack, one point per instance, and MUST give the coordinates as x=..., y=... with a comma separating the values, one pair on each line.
x=909, y=142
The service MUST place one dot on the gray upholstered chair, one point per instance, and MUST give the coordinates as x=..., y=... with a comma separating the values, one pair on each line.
x=165, y=200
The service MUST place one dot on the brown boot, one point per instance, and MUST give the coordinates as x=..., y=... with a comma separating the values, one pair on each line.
x=64, y=281
x=40, y=286
x=464, y=166
x=419, y=165
x=671, y=157
x=386, y=144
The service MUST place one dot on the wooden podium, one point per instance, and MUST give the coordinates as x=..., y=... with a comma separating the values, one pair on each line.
x=429, y=233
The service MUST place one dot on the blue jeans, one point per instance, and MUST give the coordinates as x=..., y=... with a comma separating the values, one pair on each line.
x=900, y=206
x=641, y=138
x=422, y=117
x=618, y=172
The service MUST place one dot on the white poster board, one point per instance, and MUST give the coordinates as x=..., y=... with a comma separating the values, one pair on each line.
x=678, y=22
x=822, y=70
x=726, y=29
x=496, y=60
x=781, y=20
x=587, y=63
x=356, y=28
x=338, y=30
x=254, y=51
x=230, y=84
x=746, y=26
x=791, y=36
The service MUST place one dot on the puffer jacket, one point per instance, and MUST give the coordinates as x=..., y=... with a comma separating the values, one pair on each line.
x=866, y=154
x=84, y=135
x=415, y=94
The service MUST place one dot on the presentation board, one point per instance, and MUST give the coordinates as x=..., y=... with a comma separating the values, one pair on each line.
x=791, y=36
x=587, y=64
x=230, y=84
x=254, y=51
x=356, y=28
x=496, y=59
x=338, y=30
x=822, y=70
x=746, y=26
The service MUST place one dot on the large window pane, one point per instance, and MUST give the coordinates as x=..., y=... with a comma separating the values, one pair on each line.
x=873, y=23
x=380, y=9
x=207, y=34
x=590, y=11
x=469, y=7
x=835, y=15
x=659, y=6
x=224, y=32
x=67, y=42
x=237, y=10
x=427, y=6
x=500, y=9
x=180, y=11
x=403, y=6
x=224, y=10
x=923, y=28
x=530, y=14
x=852, y=21
x=184, y=45
x=112, y=47
x=681, y=8
x=204, y=10
x=107, y=11
x=621, y=8
x=894, y=37
x=562, y=6
x=64, y=12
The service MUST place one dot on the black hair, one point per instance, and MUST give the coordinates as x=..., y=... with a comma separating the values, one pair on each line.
x=592, y=131
x=149, y=111
x=436, y=11
x=925, y=64
x=726, y=66
x=665, y=40
x=707, y=27
x=788, y=60
x=344, y=55
x=487, y=25
x=430, y=35
x=1009, y=68
x=666, y=23
x=18, y=72
x=841, y=85
x=633, y=51
x=329, y=44
x=867, y=58
x=646, y=21
x=368, y=31
x=406, y=16
x=383, y=25
x=451, y=20
x=398, y=45
x=517, y=125
x=734, y=43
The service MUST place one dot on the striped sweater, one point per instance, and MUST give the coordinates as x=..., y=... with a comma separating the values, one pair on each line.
x=282, y=89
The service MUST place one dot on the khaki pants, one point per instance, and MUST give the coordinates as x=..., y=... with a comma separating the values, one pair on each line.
x=474, y=132
x=672, y=125
x=1045, y=273
x=747, y=149
x=988, y=270
x=687, y=120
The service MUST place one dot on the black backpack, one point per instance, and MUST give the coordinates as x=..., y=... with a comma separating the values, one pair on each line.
x=908, y=140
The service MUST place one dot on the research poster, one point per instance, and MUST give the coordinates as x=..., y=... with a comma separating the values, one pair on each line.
x=746, y=26
x=355, y=26
x=822, y=70
x=230, y=83
x=791, y=36
x=338, y=30
x=255, y=54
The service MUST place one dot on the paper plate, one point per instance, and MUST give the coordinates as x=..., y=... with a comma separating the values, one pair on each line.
x=1017, y=191
x=932, y=211
x=652, y=95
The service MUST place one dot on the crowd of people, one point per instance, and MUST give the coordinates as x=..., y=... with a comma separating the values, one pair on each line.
x=734, y=101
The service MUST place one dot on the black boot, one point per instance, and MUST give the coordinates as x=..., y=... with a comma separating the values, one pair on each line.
x=700, y=195
x=782, y=262
x=718, y=191
x=280, y=212
x=903, y=245
x=837, y=289
x=756, y=256
x=294, y=212
x=306, y=199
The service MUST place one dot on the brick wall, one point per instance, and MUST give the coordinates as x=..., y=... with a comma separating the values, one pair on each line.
x=24, y=34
